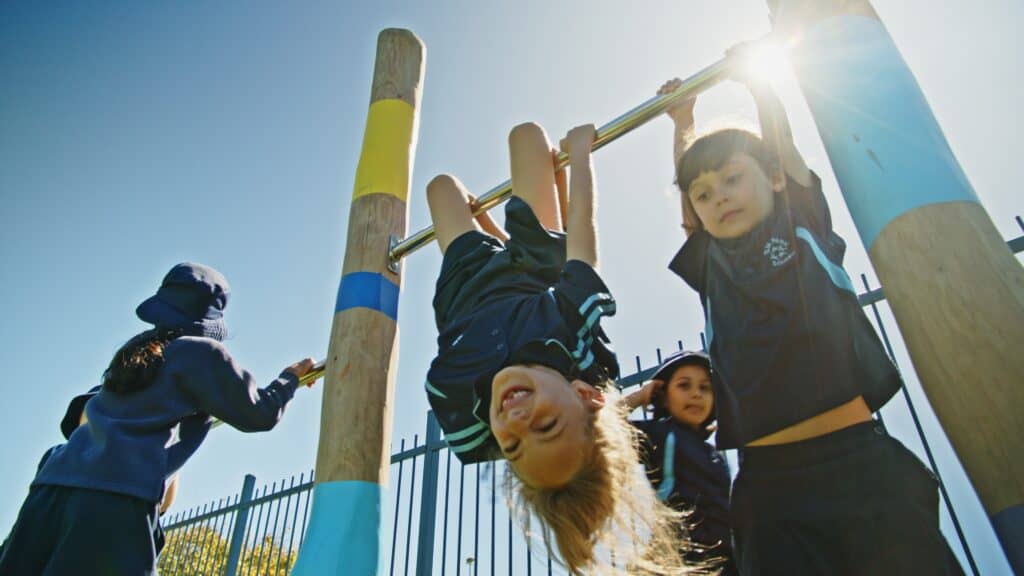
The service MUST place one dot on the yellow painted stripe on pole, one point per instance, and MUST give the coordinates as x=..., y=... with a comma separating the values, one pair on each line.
x=385, y=162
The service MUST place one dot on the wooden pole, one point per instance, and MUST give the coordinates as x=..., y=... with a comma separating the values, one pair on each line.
x=956, y=290
x=353, y=458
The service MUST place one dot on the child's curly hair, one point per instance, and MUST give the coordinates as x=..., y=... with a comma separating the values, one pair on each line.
x=607, y=500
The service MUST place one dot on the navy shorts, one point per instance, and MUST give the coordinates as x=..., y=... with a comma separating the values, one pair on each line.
x=853, y=502
x=63, y=530
x=478, y=268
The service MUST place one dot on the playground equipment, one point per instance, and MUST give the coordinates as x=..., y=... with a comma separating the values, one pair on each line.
x=898, y=176
x=355, y=427
x=956, y=290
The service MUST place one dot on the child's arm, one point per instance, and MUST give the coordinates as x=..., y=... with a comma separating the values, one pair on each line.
x=643, y=396
x=581, y=241
x=681, y=113
x=170, y=493
x=775, y=132
x=775, y=129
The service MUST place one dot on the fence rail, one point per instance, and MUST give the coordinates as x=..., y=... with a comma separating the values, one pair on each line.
x=460, y=520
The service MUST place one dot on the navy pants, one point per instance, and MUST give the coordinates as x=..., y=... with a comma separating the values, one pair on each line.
x=853, y=502
x=63, y=530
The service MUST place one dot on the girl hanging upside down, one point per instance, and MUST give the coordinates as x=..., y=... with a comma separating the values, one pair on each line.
x=523, y=367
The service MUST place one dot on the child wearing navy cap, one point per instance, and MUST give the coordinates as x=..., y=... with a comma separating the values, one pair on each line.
x=798, y=369
x=93, y=507
x=522, y=362
x=686, y=470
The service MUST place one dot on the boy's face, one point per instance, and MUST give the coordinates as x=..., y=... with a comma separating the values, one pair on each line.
x=541, y=421
x=688, y=395
x=734, y=199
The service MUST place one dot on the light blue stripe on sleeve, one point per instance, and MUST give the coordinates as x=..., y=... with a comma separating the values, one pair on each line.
x=460, y=448
x=343, y=537
x=709, y=332
x=668, y=468
x=836, y=273
x=430, y=388
x=468, y=431
x=591, y=299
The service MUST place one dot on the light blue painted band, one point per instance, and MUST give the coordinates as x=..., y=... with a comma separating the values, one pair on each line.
x=836, y=273
x=886, y=148
x=368, y=290
x=343, y=537
x=668, y=468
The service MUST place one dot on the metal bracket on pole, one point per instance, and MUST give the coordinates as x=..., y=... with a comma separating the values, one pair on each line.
x=393, y=264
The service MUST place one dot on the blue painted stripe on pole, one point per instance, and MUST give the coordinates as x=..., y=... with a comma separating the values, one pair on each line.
x=886, y=148
x=344, y=531
x=368, y=290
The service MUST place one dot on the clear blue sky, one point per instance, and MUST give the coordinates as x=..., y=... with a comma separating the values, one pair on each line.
x=137, y=135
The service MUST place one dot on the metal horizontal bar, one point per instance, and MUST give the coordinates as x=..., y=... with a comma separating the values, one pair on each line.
x=606, y=134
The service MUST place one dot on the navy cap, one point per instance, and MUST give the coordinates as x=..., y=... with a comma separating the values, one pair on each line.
x=668, y=366
x=681, y=358
x=191, y=299
x=73, y=415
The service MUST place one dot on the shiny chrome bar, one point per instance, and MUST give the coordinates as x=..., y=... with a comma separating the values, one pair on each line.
x=606, y=134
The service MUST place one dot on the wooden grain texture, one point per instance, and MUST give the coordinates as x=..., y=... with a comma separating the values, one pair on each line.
x=356, y=421
x=398, y=72
x=356, y=418
x=957, y=293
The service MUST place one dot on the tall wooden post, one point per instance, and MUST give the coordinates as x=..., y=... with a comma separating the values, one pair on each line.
x=956, y=290
x=353, y=458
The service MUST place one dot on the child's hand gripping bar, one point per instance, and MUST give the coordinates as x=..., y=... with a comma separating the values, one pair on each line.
x=306, y=379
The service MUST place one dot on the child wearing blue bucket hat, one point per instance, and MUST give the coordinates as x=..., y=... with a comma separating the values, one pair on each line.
x=687, y=472
x=93, y=507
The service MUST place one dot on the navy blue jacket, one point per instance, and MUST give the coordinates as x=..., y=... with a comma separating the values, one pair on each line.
x=687, y=473
x=133, y=442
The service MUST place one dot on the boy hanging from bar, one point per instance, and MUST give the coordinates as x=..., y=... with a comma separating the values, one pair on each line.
x=797, y=368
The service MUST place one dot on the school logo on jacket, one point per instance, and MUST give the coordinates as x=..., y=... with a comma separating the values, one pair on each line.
x=777, y=251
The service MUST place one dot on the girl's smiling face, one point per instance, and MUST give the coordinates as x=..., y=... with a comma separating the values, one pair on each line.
x=688, y=395
x=543, y=423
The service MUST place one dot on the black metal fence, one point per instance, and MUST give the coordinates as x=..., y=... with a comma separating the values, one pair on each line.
x=460, y=523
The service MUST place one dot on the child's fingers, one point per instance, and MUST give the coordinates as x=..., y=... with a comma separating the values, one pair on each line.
x=300, y=368
x=670, y=86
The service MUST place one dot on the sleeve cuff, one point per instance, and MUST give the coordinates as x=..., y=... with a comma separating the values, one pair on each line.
x=288, y=380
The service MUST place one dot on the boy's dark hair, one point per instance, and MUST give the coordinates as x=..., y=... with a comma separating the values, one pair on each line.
x=710, y=152
x=135, y=365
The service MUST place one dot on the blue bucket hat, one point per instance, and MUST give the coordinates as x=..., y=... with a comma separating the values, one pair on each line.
x=665, y=371
x=191, y=299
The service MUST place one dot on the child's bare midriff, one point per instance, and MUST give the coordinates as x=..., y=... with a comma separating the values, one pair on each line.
x=853, y=412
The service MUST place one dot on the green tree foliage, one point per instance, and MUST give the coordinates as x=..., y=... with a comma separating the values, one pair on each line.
x=202, y=551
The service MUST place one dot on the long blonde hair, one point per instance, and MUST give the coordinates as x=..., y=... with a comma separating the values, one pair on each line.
x=606, y=500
